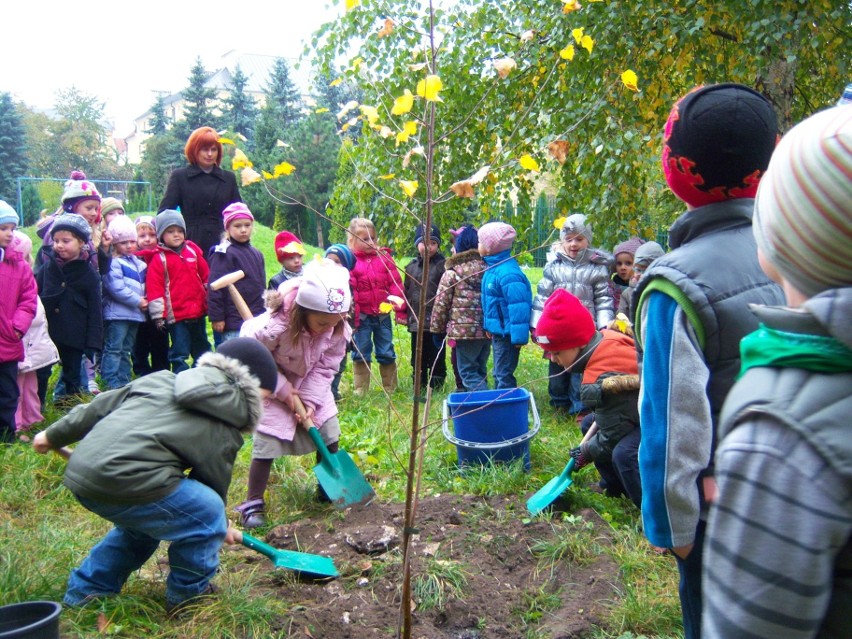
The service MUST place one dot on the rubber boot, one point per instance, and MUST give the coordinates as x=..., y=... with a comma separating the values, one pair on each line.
x=388, y=372
x=361, y=373
x=252, y=514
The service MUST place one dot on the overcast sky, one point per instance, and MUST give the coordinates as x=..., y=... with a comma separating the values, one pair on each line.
x=123, y=52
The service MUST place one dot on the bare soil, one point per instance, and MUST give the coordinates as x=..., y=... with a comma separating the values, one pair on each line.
x=508, y=591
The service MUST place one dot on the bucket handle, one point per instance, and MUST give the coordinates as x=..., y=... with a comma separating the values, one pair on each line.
x=492, y=445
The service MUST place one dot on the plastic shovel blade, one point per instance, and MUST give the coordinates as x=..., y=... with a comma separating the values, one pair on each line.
x=300, y=562
x=551, y=491
x=339, y=476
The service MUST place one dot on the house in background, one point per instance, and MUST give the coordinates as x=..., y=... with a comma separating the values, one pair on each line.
x=256, y=67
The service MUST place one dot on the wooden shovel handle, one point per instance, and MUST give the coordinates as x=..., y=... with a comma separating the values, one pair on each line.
x=299, y=409
x=240, y=303
x=589, y=433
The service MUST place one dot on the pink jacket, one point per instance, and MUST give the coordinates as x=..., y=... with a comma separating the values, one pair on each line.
x=18, y=293
x=39, y=349
x=374, y=277
x=307, y=367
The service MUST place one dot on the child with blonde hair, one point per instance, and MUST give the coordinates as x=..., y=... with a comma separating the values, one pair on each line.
x=151, y=350
x=375, y=280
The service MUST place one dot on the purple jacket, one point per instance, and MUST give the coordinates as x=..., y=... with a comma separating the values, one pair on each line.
x=17, y=304
x=228, y=257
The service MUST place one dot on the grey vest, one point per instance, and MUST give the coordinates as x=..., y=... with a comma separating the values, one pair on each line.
x=715, y=265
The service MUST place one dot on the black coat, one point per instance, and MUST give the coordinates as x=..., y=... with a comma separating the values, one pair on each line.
x=226, y=258
x=201, y=197
x=71, y=295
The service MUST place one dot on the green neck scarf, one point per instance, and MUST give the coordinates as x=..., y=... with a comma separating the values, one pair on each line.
x=781, y=349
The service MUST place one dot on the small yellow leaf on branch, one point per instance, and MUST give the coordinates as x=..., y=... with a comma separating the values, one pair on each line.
x=630, y=80
x=570, y=5
x=335, y=82
x=267, y=175
x=283, y=145
x=250, y=176
x=578, y=34
x=387, y=176
x=351, y=4
x=419, y=66
x=387, y=29
x=408, y=129
x=559, y=222
x=403, y=103
x=558, y=150
x=409, y=187
x=370, y=112
x=587, y=43
x=429, y=87
x=225, y=141
x=321, y=110
x=504, y=66
x=240, y=161
x=528, y=162
x=567, y=53
x=284, y=168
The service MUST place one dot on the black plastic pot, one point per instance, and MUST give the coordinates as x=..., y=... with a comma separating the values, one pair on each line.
x=30, y=620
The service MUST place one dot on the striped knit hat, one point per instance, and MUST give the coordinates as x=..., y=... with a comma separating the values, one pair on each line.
x=803, y=211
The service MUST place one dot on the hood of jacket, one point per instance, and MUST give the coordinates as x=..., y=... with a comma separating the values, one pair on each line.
x=825, y=314
x=471, y=255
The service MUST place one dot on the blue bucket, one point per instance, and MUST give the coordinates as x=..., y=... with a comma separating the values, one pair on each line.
x=30, y=620
x=491, y=425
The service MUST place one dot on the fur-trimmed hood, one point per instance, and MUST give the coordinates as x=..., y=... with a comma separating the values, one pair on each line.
x=471, y=255
x=231, y=403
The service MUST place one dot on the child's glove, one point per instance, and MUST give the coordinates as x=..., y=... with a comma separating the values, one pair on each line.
x=160, y=325
x=580, y=460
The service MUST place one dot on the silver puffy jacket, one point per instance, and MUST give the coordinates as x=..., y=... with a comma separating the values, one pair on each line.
x=587, y=277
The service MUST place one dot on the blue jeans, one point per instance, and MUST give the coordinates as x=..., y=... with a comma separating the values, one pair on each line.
x=472, y=359
x=506, y=356
x=192, y=518
x=189, y=337
x=119, y=340
x=224, y=336
x=378, y=329
x=689, y=588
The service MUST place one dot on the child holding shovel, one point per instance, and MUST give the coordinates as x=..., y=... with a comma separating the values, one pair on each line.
x=136, y=443
x=305, y=328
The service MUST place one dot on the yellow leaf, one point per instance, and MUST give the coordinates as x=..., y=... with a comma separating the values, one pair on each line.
x=417, y=67
x=387, y=29
x=567, y=53
x=408, y=129
x=242, y=137
x=283, y=145
x=351, y=4
x=387, y=176
x=559, y=222
x=504, y=66
x=462, y=189
x=409, y=186
x=587, y=43
x=284, y=168
x=578, y=34
x=322, y=110
x=225, y=141
x=267, y=175
x=558, y=149
x=240, y=161
x=528, y=162
x=356, y=63
x=370, y=112
x=630, y=80
x=570, y=5
x=385, y=307
x=403, y=103
x=429, y=88
x=345, y=127
x=335, y=82
x=250, y=176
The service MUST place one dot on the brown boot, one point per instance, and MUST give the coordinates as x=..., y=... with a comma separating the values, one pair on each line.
x=388, y=372
x=361, y=377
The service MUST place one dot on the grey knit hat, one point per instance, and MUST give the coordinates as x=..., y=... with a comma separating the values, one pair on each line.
x=576, y=224
x=168, y=218
x=647, y=253
x=72, y=223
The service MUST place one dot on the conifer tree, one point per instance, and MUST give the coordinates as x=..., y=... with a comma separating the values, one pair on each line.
x=199, y=101
x=13, y=162
x=241, y=110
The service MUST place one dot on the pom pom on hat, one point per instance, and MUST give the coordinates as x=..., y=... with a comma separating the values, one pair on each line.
x=110, y=204
x=145, y=220
x=647, y=253
x=467, y=238
x=167, y=218
x=21, y=243
x=77, y=189
x=324, y=287
x=628, y=246
x=72, y=223
x=803, y=211
x=236, y=211
x=434, y=234
x=496, y=237
x=254, y=356
x=122, y=229
x=287, y=245
x=343, y=253
x=8, y=215
x=564, y=323
x=717, y=143
x=576, y=224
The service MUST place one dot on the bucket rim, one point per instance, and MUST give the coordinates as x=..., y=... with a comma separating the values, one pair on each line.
x=506, y=443
x=55, y=610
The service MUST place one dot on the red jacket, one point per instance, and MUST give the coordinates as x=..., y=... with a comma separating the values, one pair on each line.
x=374, y=277
x=17, y=304
x=177, y=284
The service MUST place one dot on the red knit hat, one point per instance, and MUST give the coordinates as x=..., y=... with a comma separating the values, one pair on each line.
x=565, y=323
x=287, y=245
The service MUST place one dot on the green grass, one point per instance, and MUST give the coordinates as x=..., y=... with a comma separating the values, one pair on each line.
x=44, y=532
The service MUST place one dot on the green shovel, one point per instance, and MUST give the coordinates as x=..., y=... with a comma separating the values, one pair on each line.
x=303, y=563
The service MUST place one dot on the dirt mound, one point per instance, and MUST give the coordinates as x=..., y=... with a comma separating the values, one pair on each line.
x=481, y=569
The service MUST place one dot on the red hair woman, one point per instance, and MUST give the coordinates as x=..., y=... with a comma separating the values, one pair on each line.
x=202, y=190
